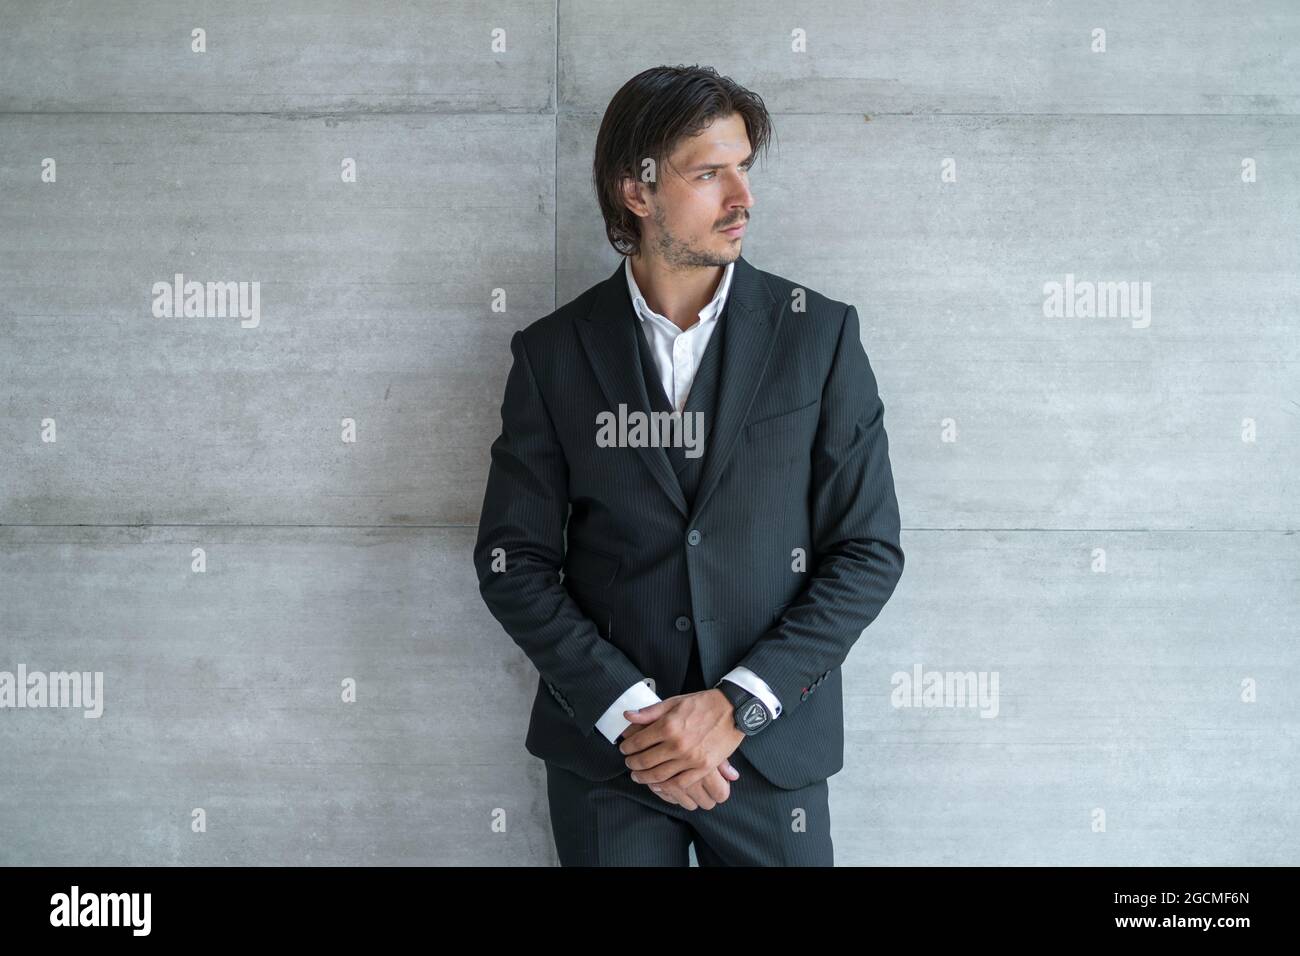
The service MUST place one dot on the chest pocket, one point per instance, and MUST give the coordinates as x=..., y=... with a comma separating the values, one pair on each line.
x=795, y=420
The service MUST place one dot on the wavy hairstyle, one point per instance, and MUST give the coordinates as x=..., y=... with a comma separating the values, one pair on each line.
x=647, y=118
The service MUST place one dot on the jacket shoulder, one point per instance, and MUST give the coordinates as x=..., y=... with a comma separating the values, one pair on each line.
x=816, y=306
x=545, y=330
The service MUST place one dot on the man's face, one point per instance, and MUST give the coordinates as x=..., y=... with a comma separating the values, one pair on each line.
x=703, y=189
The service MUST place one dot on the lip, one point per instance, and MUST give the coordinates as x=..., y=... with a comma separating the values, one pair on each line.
x=737, y=230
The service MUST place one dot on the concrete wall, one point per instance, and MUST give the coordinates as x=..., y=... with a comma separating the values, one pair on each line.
x=1151, y=686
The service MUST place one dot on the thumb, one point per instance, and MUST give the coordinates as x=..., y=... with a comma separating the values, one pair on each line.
x=646, y=715
x=728, y=771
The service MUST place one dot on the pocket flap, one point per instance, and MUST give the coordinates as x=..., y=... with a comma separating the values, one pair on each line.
x=783, y=420
x=590, y=566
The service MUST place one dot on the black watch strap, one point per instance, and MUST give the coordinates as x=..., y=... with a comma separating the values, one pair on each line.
x=751, y=714
x=734, y=693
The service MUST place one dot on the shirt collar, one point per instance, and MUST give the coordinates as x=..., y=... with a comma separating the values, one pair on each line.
x=710, y=311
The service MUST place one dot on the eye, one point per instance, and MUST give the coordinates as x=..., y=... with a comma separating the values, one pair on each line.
x=744, y=169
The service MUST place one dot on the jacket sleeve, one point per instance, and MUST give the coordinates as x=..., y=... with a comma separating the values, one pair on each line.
x=855, y=528
x=518, y=555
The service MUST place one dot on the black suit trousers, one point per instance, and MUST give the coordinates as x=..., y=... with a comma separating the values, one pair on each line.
x=620, y=822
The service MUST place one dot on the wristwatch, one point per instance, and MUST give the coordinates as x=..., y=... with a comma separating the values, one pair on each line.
x=752, y=714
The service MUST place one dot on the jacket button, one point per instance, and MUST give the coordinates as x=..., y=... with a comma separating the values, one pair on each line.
x=694, y=537
x=683, y=623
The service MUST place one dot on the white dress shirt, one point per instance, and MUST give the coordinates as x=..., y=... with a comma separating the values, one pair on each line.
x=677, y=354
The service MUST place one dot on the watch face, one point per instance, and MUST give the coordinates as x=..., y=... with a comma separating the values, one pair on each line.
x=752, y=716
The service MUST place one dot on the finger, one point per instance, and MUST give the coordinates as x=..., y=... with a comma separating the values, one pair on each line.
x=727, y=770
x=662, y=772
x=687, y=775
x=656, y=754
x=642, y=737
x=664, y=794
x=673, y=795
x=716, y=787
x=704, y=793
x=686, y=800
x=648, y=714
x=702, y=798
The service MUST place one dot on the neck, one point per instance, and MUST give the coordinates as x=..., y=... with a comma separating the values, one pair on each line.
x=678, y=293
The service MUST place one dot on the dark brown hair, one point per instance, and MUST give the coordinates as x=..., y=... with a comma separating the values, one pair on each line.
x=647, y=118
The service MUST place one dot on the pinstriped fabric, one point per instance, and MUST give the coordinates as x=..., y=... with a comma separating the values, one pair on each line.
x=796, y=548
x=701, y=399
x=622, y=823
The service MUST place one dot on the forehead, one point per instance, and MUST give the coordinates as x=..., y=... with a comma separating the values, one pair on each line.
x=726, y=134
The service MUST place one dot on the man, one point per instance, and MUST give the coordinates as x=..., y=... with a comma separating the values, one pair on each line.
x=729, y=566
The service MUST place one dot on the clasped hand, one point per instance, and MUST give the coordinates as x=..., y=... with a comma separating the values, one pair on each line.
x=679, y=748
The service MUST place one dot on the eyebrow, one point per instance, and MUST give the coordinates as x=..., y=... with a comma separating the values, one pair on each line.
x=703, y=166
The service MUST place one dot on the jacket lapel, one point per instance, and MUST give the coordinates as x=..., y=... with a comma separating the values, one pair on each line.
x=607, y=333
x=752, y=325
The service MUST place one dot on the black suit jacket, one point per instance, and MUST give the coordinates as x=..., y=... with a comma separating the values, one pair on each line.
x=796, y=461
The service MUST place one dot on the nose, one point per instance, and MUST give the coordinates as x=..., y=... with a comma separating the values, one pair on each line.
x=743, y=196
x=739, y=206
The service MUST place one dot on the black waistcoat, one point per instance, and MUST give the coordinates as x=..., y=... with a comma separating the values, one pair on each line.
x=702, y=397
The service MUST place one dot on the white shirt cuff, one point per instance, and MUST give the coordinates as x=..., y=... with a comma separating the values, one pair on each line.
x=612, y=722
x=747, y=679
